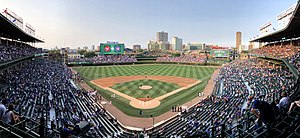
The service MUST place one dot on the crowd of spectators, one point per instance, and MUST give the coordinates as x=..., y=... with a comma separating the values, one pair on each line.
x=295, y=60
x=277, y=51
x=261, y=77
x=154, y=53
x=43, y=87
x=284, y=51
x=105, y=59
x=183, y=58
x=14, y=50
x=238, y=81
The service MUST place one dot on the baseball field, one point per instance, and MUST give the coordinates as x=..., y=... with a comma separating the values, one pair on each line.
x=152, y=89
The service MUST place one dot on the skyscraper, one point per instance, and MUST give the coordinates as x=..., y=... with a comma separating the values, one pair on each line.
x=177, y=43
x=161, y=42
x=136, y=47
x=162, y=37
x=238, y=41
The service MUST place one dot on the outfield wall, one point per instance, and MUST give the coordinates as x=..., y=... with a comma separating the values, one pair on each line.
x=146, y=62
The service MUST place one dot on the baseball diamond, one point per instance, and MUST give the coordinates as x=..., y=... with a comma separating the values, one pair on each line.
x=177, y=84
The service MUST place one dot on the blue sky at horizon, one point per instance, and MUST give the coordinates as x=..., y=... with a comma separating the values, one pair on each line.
x=78, y=23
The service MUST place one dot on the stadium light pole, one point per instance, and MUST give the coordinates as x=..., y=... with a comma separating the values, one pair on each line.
x=152, y=122
x=206, y=56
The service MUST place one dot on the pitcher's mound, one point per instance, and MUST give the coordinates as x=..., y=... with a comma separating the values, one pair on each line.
x=145, y=87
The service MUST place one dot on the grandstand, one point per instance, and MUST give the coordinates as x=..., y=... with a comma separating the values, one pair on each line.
x=52, y=98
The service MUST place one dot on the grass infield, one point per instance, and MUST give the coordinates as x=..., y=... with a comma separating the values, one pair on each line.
x=196, y=72
x=132, y=89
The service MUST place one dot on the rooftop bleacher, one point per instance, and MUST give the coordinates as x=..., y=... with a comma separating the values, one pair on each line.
x=104, y=59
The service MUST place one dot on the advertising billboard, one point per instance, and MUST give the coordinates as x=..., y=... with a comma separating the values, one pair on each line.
x=221, y=53
x=111, y=48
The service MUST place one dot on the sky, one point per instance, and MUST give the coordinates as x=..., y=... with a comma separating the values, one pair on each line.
x=78, y=23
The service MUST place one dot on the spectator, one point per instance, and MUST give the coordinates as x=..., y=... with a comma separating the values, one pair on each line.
x=295, y=103
x=66, y=131
x=2, y=108
x=275, y=108
x=284, y=102
x=264, y=113
x=9, y=117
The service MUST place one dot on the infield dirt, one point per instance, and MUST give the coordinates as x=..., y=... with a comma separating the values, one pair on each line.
x=144, y=103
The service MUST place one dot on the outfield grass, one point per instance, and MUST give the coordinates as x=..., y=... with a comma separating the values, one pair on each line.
x=196, y=72
x=132, y=89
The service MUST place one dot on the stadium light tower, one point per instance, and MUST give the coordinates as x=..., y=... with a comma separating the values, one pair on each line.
x=206, y=54
x=152, y=122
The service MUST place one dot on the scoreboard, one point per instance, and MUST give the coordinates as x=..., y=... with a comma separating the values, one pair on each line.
x=222, y=53
x=111, y=48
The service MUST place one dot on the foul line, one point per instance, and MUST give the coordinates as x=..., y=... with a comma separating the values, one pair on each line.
x=157, y=98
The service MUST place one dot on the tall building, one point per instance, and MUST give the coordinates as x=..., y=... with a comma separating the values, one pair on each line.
x=154, y=45
x=93, y=47
x=68, y=49
x=251, y=46
x=85, y=48
x=136, y=47
x=238, y=41
x=162, y=37
x=177, y=43
x=161, y=42
x=165, y=46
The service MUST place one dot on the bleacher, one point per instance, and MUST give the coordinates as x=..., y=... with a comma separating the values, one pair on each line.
x=183, y=58
x=12, y=50
x=105, y=59
x=44, y=90
x=228, y=109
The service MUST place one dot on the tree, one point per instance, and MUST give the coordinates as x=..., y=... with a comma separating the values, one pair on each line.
x=89, y=54
x=54, y=51
x=245, y=51
x=81, y=52
x=141, y=50
x=55, y=54
x=176, y=54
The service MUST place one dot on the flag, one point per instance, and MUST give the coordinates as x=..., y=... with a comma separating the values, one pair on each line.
x=4, y=11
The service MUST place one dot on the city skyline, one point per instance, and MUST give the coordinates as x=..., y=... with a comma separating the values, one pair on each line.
x=85, y=23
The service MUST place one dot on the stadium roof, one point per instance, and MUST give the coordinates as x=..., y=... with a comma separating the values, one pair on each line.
x=11, y=31
x=292, y=30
